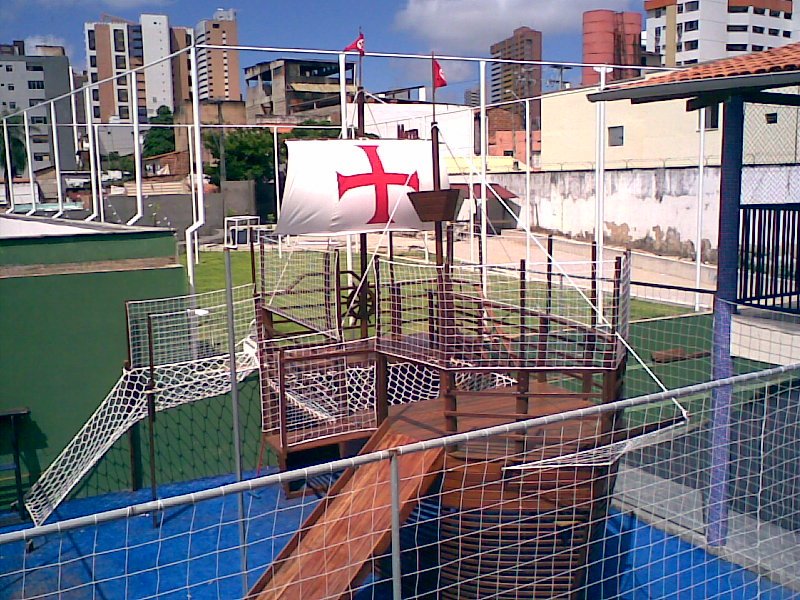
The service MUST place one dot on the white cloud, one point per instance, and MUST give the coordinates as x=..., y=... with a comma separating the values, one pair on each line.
x=473, y=25
x=45, y=40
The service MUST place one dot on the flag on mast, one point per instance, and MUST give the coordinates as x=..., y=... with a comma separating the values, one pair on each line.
x=439, y=80
x=357, y=45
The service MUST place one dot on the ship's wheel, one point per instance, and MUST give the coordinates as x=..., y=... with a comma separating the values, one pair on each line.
x=353, y=304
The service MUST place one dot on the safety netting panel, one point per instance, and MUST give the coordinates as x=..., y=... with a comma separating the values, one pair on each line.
x=300, y=286
x=497, y=317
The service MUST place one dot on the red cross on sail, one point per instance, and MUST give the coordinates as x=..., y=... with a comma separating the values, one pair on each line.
x=354, y=186
x=381, y=180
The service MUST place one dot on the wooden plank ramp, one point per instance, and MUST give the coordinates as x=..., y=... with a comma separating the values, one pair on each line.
x=332, y=549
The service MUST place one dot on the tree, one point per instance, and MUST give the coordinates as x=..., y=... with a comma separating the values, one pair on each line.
x=159, y=140
x=16, y=142
x=249, y=153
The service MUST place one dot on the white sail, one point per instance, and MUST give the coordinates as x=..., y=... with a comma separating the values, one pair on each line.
x=354, y=186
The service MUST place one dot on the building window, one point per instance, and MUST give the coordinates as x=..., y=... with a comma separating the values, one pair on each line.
x=774, y=13
x=122, y=95
x=40, y=139
x=756, y=48
x=737, y=9
x=616, y=135
x=737, y=27
x=787, y=15
x=34, y=67
x=215, y=26
x=38, y=120
x=774, y=32
x=93, y=77
x=122, y=80
x=119, y=62
x=9, y=68
x=692, y=61
x=124, y=113
x=691, y=26
x=680, y=8
x=119, y=40
x=759, y=11
x=691, y=6
x=771, y=118
x=758, y=29
x=95, y=94
x=41, y=156
x=96, y=112
x=93, y=60
x=736, y=47
x=12, y=105
x=691, y=45
x=92, y=41
x=35, y=101
x=11, y=87
x=36, y=85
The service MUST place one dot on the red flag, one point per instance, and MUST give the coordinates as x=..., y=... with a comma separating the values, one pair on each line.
x=439, y=79
x=357, y=45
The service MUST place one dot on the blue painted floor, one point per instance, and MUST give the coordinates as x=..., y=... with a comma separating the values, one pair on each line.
x=195, y=554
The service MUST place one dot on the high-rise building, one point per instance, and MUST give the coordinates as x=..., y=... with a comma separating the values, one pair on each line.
x=115, y=46
x=472, y=96
x=218, y=70
x=510, y=81
x=692, y=31
x=27, y=80
x=612, y=38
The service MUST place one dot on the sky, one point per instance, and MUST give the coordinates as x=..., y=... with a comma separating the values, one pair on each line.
x=451, y=27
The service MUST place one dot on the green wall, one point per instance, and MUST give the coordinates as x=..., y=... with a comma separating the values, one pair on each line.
x=64, y=344
x=87, y=248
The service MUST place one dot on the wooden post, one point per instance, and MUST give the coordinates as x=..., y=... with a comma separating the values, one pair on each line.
x=381, y=387
x=549, y=304
x=362, y=296
x=521, y=403
x=523, y=311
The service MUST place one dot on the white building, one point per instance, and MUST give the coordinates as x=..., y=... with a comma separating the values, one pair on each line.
x=158, y=78
x=686, y=32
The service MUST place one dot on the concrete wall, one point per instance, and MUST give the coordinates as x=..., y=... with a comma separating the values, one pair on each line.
x=175, y=211
x=651, y=209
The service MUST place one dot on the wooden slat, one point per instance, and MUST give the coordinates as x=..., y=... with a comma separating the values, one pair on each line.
x=335, y=544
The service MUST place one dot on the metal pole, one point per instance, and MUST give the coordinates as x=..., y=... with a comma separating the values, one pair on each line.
x=100, y=200
x=600, y=188
x=397, y=574
x=698, y=243
x=56, y=160
x=343, y=117
x=237, y=443
x=484, y=168
x=26, y=122
x=528, y=155
x=74, y=109
x=137, y=152
x=151, y=412
x=9, y=171
x=90, y=152
x=193, y=187
x=198, y=157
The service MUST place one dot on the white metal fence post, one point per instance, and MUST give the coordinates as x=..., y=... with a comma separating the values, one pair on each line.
x=31, y=179
x=56, y=159
x=397, y=574
x=137, y=149
x=8, y=171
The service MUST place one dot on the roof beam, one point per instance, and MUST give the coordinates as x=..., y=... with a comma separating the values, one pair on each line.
x=772, y=98
x=705, y=101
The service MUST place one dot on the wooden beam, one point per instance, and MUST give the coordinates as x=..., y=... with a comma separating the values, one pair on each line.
x=772, y=98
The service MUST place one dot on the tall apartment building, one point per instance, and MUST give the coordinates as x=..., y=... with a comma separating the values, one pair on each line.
x=116, y=46
x=510, y=81
x=218, y=70
x=612, y=38
x=472, y=96
x=685, y=32
x=25, y=82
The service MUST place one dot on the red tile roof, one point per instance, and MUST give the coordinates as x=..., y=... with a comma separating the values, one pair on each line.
x=778, y=60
